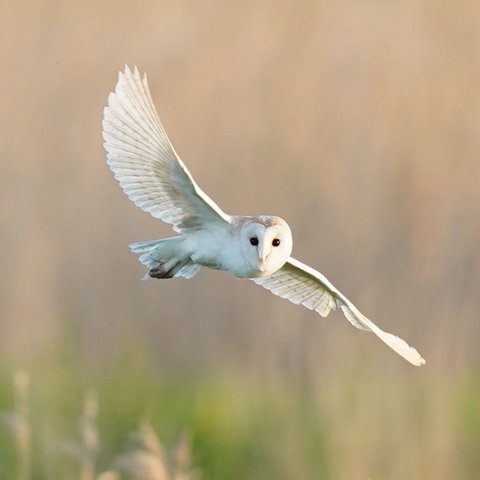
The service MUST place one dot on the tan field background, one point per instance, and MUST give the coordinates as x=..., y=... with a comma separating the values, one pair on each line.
x=357, y=122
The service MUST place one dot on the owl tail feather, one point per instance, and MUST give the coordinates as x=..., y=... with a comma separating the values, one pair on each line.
x=165, y=258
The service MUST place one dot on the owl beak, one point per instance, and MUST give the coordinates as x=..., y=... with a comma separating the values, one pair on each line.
x=262, y=256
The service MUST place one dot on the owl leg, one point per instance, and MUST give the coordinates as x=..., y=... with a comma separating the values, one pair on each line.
x=166, y=258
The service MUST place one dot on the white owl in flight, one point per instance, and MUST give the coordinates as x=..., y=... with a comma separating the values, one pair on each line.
x=152, y=175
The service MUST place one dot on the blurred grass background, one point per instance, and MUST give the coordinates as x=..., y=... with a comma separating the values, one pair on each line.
x=357, y=122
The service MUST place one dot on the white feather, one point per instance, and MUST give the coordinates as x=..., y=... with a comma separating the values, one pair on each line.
x=303, y=285
x=144, y=162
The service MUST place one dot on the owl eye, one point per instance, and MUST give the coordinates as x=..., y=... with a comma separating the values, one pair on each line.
x=276, y=242
x=254, y=241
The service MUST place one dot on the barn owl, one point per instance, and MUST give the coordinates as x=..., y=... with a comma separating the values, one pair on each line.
x=259, y=248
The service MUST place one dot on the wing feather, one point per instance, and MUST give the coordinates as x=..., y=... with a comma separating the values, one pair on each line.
x=303, y=285
x=145, y=163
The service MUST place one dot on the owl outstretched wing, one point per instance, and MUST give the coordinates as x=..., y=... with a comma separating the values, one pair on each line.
x=303, y=285
x=145, y=163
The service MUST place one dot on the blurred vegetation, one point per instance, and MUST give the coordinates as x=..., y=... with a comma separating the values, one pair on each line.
x=131, y=424
x=357, y=122
x=134, y=425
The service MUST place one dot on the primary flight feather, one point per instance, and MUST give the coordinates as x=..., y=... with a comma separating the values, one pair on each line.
x=152, y=175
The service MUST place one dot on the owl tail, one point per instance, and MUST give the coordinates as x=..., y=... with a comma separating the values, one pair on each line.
x=165, y=258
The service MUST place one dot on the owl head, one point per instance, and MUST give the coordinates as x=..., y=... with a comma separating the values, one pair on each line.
x=265, y=244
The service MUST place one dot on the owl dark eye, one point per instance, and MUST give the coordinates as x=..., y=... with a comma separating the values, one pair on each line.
x=276, y=242
x=254, y=241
